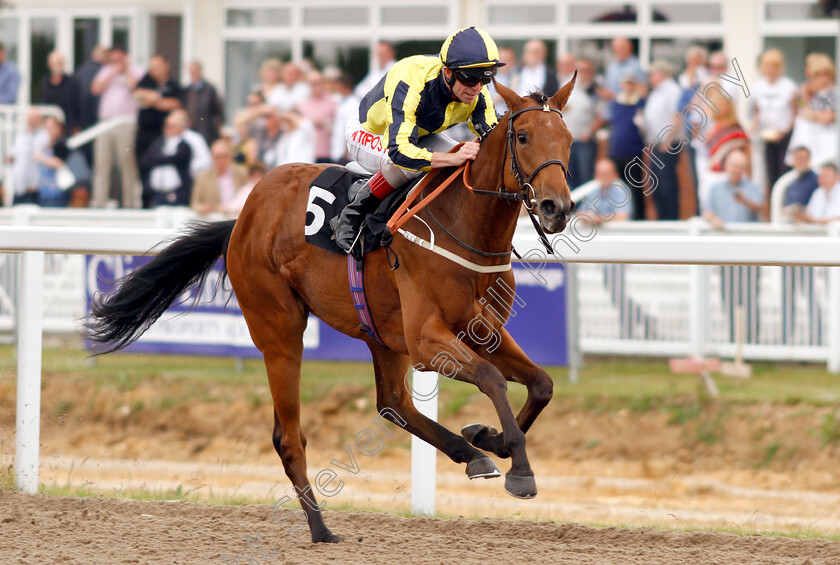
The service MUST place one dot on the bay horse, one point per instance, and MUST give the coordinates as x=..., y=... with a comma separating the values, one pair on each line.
x=420, y=309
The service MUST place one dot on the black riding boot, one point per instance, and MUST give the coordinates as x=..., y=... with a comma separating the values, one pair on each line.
x=346, y=225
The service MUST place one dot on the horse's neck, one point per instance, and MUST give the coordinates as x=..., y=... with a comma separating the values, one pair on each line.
x=482, y=221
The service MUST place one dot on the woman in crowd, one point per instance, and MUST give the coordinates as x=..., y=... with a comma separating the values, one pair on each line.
x=814, y=125
x=725, y=135
x=773, y=102
x=270, y=70
x=245, y=150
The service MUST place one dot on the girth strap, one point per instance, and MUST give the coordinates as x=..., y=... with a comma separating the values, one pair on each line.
x=355, y=274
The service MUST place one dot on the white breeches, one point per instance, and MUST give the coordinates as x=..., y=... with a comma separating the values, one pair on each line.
x=368, y=150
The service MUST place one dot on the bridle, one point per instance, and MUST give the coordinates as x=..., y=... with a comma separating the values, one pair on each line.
x=526, y=193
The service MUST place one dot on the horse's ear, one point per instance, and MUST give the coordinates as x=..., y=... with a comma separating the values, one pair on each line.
x=562, y=95
x=509, y=96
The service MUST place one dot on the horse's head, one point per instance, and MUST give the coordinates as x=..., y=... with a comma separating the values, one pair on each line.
x=537, y=153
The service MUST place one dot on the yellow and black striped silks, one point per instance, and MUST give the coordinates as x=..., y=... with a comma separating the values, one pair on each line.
x=412, y=101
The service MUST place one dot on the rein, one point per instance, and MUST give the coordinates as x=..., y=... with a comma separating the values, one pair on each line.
x=405, y=212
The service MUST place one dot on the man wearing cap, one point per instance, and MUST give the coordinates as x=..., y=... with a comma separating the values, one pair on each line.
x=399, y=130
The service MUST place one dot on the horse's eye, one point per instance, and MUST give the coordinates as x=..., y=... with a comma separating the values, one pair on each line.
x=522, y=138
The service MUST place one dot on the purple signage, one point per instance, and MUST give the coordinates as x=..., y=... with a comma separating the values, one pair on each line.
x=215, y=325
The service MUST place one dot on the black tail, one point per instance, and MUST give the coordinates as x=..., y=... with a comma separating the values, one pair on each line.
x=144, y=295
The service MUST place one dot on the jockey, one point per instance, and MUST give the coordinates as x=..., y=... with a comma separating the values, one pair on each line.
x=399, y=130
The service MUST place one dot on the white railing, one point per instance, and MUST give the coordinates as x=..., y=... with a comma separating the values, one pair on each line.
x=663, y=310
x=64, y=273
x=631, y=309
x=33, y=242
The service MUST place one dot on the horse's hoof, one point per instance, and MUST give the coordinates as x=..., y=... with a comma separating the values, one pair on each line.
x=520, y=487
x=482, y=468
x=474, y=433
x=328, y=537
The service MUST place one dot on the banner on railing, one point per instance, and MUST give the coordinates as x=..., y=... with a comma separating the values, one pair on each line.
x=215, y=324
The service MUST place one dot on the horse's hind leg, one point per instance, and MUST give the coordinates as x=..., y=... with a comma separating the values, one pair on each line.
x=276, y=320
x=288, y=438
x=392, y=397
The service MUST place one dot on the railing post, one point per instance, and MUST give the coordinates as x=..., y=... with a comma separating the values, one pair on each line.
x=833, y=357
x=699, y=297
x=424, y=456
x=573, y=352
x=29, y=337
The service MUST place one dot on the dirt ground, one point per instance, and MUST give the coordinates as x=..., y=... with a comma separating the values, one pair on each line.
x=746, y=467
x=42, y=529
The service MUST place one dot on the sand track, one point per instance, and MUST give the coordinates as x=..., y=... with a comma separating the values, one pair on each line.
x=40, y=529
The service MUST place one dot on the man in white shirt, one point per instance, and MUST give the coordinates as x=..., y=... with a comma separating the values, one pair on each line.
x=201, y=158
x=385, y=59
x=291, y=91
x=535, y=74
x=824, y=205
x=25, y=173
x=297, y=142
x=662, y=104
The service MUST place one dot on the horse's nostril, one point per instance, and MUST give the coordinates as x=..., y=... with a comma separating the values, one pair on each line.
x=548, y=208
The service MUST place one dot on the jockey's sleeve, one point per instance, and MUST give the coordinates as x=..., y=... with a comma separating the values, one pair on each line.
x=402, y=133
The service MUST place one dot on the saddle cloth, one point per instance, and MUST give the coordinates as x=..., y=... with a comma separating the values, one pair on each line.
x=329, y=194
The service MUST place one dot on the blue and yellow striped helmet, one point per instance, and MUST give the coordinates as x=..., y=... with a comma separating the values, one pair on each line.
x=468, y=48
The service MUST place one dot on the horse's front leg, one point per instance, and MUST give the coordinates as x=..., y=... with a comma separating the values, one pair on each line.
x=509, y=358
x=434, y=350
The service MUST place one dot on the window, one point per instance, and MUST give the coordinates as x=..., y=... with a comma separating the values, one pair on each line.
x=121, y=31
x=242, y=68
x=262, y=17
x=335, y=16
x=42, y=42
x=690, y=13
x=420, y=15
x=793, y=11
x=527, y=14
x=85, y=38
x=350, y=56
x=11, y=39
x=602, y=13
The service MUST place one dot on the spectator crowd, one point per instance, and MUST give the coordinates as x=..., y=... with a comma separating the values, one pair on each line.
x=166, y=144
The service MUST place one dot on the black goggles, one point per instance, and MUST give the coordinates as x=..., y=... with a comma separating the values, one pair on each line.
x=471, y=77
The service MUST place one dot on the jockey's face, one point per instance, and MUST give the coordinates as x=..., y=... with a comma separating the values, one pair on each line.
x=462, y=92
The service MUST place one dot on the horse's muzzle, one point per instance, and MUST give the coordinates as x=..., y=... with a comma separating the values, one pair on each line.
x=554, y=215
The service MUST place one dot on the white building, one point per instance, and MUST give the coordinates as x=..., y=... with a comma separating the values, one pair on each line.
x=231, y=37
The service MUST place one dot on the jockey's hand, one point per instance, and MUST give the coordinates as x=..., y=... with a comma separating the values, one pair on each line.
x=467, y=152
